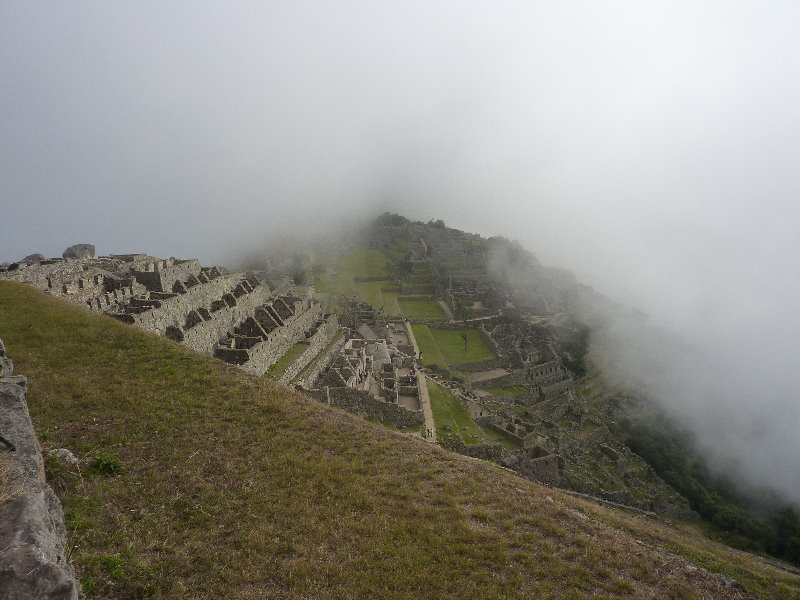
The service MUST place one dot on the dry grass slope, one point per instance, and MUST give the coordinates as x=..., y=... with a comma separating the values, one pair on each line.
x=231, y=486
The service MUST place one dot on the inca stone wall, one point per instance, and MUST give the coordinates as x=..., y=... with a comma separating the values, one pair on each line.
x=311, y=375
x=32, y=533
x=200, y=315
x=236, y=317
x=265, y=337
x=97, y=283
x=455, y=443
x=316, y=344
x=161, y=275
x=368, y=406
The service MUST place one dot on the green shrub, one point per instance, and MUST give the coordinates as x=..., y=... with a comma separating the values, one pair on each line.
x=106, y=464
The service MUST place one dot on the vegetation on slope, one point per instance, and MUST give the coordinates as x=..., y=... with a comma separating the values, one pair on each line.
x=756, y=522
x=197, y=480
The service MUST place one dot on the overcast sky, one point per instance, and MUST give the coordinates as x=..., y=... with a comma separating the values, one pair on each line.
x=651, y=148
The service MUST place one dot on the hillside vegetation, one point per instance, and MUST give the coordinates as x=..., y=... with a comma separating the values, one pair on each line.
x=199, y=481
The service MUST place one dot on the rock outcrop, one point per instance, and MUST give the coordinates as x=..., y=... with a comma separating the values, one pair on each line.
x=33, y=561
x=79, y=251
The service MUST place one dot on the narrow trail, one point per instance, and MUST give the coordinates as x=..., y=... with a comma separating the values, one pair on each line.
x=446, y=309
x=422, y=383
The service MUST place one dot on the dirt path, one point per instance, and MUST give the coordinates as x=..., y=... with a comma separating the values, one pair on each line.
x=422, y=385
x=446, y=309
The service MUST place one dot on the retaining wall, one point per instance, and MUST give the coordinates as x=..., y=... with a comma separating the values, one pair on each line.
x=515, y=378
x=266, y=353
x=316, y=344
x=308, y=379
x=368, y=406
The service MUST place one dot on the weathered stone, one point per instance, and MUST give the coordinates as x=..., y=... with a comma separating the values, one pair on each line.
x=63, y=456
x=33, y=258
x=6, y=366
x=32, y=549
x=33, y=561
x=79, y=251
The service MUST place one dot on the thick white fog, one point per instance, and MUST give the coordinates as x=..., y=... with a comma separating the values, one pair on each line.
x=648, y=147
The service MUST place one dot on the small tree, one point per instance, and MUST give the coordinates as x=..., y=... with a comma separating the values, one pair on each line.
x=462, y=314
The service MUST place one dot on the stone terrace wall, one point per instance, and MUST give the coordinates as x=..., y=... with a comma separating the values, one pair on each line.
x=455, y=443
x=368, y=406
x=45, y=274
x=161, y=275
x=316, y=344
x=308, y=379
x=266, y=353
x=32, y=533
x=203, y=314
x=512, y=379
x=204, y=335
x=87, y=282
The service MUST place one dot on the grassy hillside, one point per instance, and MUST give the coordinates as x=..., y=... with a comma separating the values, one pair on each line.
x=199, y=481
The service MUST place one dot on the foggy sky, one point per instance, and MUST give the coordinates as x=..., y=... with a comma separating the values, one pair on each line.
x=650, y=148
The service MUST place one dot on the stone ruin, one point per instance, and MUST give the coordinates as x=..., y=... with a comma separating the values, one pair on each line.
x=33, y=560
x=563, y=441
x=234, y=316
x=244, y=320
x=373, y=375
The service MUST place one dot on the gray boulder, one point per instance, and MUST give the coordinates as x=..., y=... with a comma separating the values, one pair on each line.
x=33, y=562
x=79, y=251
x=33, y=555
x=33, y=258
x=6, y=367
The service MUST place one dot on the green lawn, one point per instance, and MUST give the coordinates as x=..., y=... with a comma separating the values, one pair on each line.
x=359, y=263
x=446, y=346
x=421, y=309
x=431, y=355
x=363, y=262
x=449, y=410
x=372, y=263
x=373, y=293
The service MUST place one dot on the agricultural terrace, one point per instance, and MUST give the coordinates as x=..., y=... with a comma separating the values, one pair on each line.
x=361, y=263
x=422, y=309
x=451, y=416
x=368, y=263
x=446, y=346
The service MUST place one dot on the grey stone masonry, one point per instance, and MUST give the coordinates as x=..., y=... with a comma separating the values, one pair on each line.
x=161, y=275
x=307, y=378
x=99, y=283
x=368, y=406
x=316, y=343
x=32, y=533
x=262, y=339
x=200, y=315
